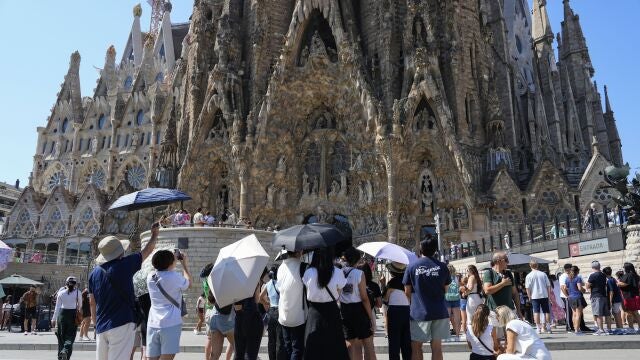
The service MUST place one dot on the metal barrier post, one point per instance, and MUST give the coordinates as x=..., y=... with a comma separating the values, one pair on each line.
x=531, y=232
x=579, y=223
x=544, y=231
x=484, y=248
x=510, y=241
x=520, y=235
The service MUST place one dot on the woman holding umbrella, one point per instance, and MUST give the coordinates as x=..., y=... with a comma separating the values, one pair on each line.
x=68, y=303
x=323, y=336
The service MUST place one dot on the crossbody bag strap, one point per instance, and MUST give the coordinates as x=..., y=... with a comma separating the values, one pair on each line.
x=164, y=293
x=330, y=293
x=483, y=344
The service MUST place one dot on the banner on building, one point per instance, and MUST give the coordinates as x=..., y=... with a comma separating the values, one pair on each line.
x=589, y=247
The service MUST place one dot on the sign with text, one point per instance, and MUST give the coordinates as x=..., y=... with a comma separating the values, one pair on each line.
x=589, y=247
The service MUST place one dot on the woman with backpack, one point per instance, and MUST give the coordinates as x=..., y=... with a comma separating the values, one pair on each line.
x=249, y=327
x=452, y=297
x=324, y=337
x=357, y=317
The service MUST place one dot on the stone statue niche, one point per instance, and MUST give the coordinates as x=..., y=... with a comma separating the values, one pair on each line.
x=219, y=130
x=427, y=193
x=312, y=171
x=419, y=32
x=317, y=40
x=424, y=117
x=338, y=171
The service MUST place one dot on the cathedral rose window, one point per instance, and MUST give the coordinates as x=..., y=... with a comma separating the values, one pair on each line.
x=136, y=176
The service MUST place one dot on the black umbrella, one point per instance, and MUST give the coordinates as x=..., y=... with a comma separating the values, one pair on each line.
x=307, y=237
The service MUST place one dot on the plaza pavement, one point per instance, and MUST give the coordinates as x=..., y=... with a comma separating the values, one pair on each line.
x=191, y=343
x=557, y=355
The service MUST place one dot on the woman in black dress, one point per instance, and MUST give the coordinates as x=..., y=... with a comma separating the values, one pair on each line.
x=323, y=334
x=86, y=317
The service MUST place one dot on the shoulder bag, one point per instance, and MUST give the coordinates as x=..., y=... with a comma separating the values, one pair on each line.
x=182, y=306
x=138, y=314
x=78, y=310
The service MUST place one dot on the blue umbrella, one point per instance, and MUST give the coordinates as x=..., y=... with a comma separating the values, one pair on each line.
x=147, y=198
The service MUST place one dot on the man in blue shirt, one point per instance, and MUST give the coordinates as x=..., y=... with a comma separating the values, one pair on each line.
x=111, y=295
x=425, y=283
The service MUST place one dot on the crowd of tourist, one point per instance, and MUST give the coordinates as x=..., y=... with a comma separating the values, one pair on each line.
x=327, y=308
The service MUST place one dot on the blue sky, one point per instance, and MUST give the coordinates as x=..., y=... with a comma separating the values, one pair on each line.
x=39, y=36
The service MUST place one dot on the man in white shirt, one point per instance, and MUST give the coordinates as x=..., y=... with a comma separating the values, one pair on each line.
x=539, y=290
x=291, y=306
x=198, y=218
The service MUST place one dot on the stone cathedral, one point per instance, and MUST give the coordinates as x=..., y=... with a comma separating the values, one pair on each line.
x=389, y=118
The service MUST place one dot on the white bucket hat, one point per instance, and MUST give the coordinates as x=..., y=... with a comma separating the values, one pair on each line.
x=111, y=248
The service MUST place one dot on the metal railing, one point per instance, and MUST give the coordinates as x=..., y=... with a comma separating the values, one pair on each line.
x=50, y=257
x=527, y=233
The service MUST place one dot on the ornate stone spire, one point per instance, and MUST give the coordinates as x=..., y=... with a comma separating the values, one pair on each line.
x=167, y=169
x=607, y=103
x=541, y=25
x=73, y=82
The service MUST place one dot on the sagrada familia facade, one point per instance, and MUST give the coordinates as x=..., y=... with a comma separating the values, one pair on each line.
x=387, y=118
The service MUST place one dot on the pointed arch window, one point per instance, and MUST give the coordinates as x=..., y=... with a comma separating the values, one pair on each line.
x=65, y=125
x=128, y=83
x=140, y=118
x=101, y=121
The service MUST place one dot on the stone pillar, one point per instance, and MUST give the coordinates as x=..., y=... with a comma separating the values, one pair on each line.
x=167, y=37
x=136, y=35
x=632, y=250
x=243, y=192
x=392, y=215
x=62, y=247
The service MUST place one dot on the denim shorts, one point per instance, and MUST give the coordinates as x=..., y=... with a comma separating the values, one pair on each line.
x=222, y=323
x=453, y=304
x=463, y=304
x=163, y=341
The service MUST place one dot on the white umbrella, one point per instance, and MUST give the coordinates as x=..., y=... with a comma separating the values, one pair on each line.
x=237, y=270
x=388, y=251
x=5, y=255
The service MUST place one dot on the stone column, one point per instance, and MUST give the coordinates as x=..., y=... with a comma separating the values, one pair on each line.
x=243, y=192
x=62, y=247
x=632, y=250
x=384, y=147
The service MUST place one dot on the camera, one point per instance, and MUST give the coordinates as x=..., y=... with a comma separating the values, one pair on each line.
x=178, y=254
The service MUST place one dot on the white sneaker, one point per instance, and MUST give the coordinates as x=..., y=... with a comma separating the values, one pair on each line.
x=26, y=333
x=87, y=339
x=195, y=332
x=34, y=333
